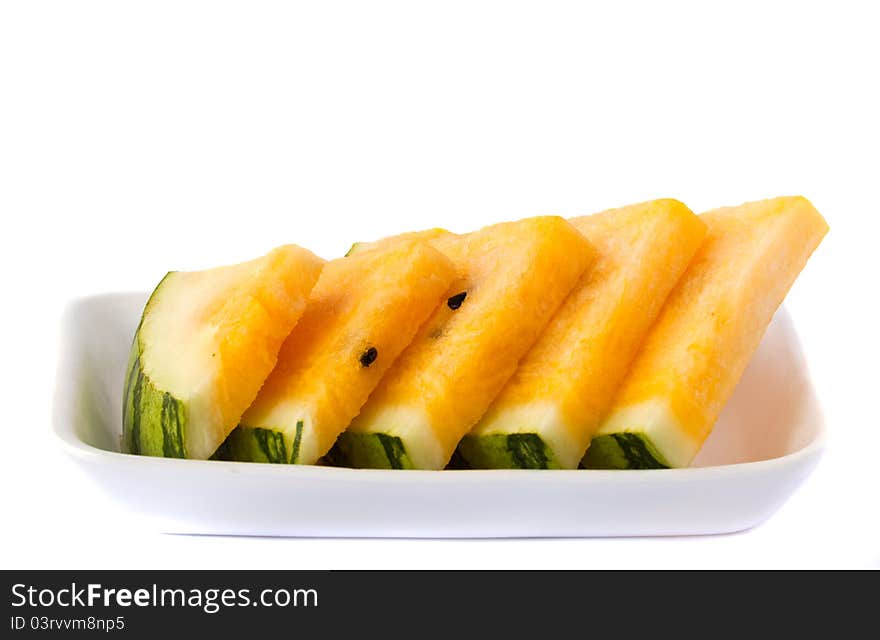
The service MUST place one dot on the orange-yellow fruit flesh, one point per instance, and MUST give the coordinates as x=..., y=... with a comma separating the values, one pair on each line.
x=409, y=236
x=713, y=321
x=255, y=319
x=515, y=275
x=565, y=383
x=375, y=299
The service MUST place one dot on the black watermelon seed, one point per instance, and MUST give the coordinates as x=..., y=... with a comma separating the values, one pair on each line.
x=369, y=356
x=455, y=301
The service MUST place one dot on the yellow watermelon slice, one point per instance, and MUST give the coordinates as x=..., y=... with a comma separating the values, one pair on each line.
x=205, y=344
x=549, y=409
x=364, y=310
x=706, y=333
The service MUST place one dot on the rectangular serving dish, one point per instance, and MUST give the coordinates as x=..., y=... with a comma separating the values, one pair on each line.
x=767, y=441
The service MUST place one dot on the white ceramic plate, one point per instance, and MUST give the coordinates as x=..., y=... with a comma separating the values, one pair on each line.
x=767, y=441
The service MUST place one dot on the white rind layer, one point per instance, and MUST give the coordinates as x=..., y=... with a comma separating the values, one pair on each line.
x=176, y=355
x=656, y=421
x=541, y=418
x=415, y=432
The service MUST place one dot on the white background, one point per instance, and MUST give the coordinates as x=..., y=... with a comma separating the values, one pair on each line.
x=141, y=137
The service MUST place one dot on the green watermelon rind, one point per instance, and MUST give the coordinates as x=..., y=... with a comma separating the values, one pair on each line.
x=357, y=247
x=259, y=444
x=153, y=421
x=507, y=451
x=374, y=450
x=623, y=450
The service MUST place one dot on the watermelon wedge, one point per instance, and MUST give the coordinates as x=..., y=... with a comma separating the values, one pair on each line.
x=364, y=310
x=206, y=342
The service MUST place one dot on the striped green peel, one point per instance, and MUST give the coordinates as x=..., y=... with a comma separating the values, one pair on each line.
x=153, y=421
x=353, y=249
x=623, y=450
x=256, y=444
x=507, y=451
x=369, y=451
